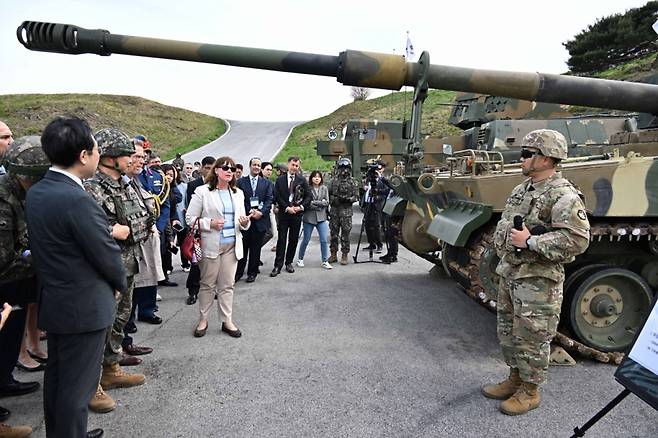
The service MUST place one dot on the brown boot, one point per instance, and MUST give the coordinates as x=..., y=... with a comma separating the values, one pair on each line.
x=504, y=389
x=343, y=259
x=333, y=258
x=114, y=377
x=102, y=402
x=7, y=431
x=525, y=399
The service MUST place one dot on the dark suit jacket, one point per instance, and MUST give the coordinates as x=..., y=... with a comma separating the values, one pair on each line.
x=191, y=187
x=76, y=259
x=265, y=195
x=282, y=193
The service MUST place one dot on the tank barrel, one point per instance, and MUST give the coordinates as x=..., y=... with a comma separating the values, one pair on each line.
x=351, y=67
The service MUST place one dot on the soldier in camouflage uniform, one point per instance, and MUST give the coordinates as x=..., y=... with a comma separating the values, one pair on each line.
x=130, y=220
x=554, y=230
x=343, y=192
x=25, y=164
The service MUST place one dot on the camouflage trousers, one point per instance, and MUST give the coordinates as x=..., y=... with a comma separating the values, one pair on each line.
x=115, y=334
x=528, y=314
x=340, y=223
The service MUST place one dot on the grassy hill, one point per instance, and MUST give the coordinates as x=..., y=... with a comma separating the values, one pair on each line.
x=395, y=106
x=169, y=129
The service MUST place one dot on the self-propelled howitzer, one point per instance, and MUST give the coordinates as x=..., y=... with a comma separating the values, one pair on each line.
x=608, y=289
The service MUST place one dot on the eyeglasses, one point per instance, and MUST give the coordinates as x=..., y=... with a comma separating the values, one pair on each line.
x=227, y=168
x=528, y=153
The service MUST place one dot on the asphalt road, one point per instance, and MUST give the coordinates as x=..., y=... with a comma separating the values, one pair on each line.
x=245, y=140
x=362, y=350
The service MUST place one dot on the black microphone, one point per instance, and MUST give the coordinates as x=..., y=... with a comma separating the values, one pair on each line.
x=518, y=225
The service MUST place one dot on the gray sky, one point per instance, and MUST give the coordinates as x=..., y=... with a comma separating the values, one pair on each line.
x=520, y=35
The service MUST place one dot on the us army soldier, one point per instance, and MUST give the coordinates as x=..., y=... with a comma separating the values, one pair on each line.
x=554, y=230
x=130, y=220
x=343, y=192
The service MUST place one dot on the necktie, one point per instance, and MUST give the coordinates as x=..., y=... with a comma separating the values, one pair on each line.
x=292, y=178
x=253, y=185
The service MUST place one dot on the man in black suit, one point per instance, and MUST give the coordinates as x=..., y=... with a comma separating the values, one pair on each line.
x=292, y=195
x=258, y=196
x=194, y=276
x=79, y=266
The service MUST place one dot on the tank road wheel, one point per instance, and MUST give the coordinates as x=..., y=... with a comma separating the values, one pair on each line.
x=607, y=307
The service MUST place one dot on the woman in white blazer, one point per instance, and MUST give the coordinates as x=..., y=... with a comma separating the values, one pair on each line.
x=219, y=206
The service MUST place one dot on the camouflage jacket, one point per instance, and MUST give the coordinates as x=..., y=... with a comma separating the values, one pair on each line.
x=124, y=206
x=343, y=191
x=557, y=206
x=13, y=233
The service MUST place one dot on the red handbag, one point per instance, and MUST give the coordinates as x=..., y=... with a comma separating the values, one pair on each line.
x=191, y=247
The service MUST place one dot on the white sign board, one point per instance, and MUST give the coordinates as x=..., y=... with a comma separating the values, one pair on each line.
x=645, y=349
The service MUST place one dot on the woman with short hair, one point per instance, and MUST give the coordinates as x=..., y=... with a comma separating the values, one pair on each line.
x=219, y=206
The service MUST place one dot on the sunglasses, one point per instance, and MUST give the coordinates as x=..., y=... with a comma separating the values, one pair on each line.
x=527, y=153
x=226, y=168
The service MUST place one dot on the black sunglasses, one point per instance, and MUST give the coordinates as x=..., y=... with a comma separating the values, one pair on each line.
x=226, y=168
x=527, y=153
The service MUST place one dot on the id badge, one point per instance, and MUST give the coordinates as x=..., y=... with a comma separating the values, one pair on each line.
x=228, y=232
x=253, y=202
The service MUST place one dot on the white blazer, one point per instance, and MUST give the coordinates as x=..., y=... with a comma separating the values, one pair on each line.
x=207, y=205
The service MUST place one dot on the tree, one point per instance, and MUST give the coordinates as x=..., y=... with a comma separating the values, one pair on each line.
x=613, y=40
x=360, y=93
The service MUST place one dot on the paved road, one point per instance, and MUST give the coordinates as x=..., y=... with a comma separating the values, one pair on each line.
x=245, y=140
x=363, y=350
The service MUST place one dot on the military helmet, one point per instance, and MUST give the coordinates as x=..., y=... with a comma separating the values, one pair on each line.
x=113, y=143
x=25, y=157
x=343, y=162
x=549, y=142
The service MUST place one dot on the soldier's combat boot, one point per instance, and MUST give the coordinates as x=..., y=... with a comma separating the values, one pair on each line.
x=525, y=399
x=504, y=389
x=343, y=259
x=333, y=258
x=114, y=377
x=102, y=402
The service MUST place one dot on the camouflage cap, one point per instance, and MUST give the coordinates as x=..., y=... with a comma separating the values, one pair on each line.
x=549, y=142
x=25, y=157
x=113, y=143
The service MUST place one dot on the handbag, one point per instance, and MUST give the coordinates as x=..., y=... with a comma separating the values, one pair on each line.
x=191, y=247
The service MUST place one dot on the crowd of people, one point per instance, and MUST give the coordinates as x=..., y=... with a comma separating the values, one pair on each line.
x=105, y=202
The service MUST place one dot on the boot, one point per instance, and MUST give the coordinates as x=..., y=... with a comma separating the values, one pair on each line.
x=333, y=258
x=102, y=402
x=114, y=377
x=7, y=431
x=343, y=259
x=524, y=399
x=504, y=389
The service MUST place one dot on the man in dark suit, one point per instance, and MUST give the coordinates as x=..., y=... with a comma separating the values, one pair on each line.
x=258, y=196
x=79, y=266
x=292, y=195
x=194, y=275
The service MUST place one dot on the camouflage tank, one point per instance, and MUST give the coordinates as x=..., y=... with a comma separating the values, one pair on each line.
x=446, y=212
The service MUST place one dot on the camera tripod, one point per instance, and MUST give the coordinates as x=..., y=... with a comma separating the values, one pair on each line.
x=369, y=206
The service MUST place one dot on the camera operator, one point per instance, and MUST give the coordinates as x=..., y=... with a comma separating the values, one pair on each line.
x=374, y=198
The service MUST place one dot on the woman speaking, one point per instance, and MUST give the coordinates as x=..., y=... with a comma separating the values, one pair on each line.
x=219, y=206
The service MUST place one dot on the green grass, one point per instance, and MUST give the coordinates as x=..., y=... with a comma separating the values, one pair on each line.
x=631, y=70
x=395, y=106
x=171, y=130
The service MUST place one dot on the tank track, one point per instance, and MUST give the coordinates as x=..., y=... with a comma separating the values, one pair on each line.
x=468, y=276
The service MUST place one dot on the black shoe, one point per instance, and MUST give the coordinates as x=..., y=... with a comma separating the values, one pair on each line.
x=388, y=259
x=238, y=277
x=251, y=278
x=289, y=268
x=130, y=328
x=4, y=414
x=96, y=433
x=200, y=333
x=275, y=272
x=369, y=247
x=15, y=387
x=232, y=333
x=379, y=250
x=150, y=319
x=39, y=367
x=191, y=300
x=167, y=283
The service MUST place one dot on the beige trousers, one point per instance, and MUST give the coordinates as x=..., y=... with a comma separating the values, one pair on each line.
x=218, y=275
